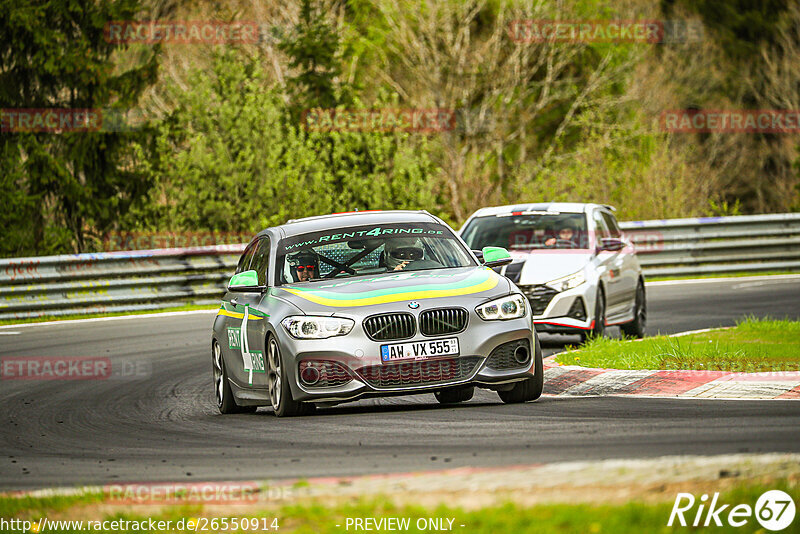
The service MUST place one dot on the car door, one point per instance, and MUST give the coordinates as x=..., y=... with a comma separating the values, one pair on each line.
x=609, y=265
x=246, y=324
x=231, y=319
x=628, y=272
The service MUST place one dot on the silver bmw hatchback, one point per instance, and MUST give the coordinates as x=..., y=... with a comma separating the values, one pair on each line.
x=340, y=307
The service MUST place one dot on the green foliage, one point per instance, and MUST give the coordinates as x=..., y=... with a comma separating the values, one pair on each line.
x=312, y=48
x=572, y=122
x=59, y=186
x=740, y=25
x=231, y=158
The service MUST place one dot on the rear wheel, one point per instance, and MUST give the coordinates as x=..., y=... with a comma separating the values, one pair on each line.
x=455, y=395
x=636, y=328
x=226, y=403
x=531, y=388
x=280, y=393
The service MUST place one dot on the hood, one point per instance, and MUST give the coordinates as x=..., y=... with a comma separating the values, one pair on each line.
x=376, y=293
x=543, y=266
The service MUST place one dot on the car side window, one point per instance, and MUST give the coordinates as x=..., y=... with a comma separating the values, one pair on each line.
x=612, y=225
x=600, y=225
x=260, y=261
x=244, y=261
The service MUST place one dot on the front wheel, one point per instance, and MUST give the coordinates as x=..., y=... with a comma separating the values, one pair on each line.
x=280, y=393
x=599, y=327
x=531, y=388
x=636, y=327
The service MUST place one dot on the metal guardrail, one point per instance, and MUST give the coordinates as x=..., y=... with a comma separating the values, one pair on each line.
x=114, y=281
x=155, y=279
x=716, y=245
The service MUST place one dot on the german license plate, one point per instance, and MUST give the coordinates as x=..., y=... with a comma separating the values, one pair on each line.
x=419, y=350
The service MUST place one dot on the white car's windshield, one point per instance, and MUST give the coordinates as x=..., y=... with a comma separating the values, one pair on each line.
x=528, y=231
x=359, y=250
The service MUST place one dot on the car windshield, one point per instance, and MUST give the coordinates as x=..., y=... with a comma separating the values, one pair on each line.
x=528, y=231
x=359, y=250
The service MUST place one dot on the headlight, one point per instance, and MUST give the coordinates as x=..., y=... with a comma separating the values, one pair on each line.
x=568, y=282
x=510, y=307
x=310, y=327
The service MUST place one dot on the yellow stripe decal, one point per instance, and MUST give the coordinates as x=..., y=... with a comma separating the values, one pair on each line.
x=489, y=283
x=236, y=315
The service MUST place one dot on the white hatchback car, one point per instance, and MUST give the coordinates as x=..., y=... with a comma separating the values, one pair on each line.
x=572, y=262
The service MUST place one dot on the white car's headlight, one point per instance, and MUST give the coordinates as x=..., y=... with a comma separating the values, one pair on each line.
x=509, y=307
x=568, y=282
x=311, y=327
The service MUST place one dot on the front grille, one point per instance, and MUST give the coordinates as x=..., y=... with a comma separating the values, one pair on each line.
x=331, y=374
x=502, y=357
x=419, y=373
x=390, y=326
x=539, y=296
x=442, y=321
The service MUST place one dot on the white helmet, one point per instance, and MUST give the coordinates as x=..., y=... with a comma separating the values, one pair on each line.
x=398, y=250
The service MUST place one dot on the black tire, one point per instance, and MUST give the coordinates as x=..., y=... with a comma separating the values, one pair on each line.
x=455, y=395
x=531, y=388
x=599, y=329
x=226, y=403
x=637, y=327
x=280, y=393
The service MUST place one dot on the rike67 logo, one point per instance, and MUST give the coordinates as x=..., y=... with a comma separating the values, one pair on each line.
x=774, y=510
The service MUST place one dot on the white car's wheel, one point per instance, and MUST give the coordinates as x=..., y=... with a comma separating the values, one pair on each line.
x=599, y=328
x=636, y=328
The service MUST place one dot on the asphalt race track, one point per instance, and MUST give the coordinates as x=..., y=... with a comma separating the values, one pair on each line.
x=161, y=423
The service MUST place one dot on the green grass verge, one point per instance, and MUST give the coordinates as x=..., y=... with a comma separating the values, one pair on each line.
x=317, y=518
x=719, y=275
x=46, y=318
x=754, y=345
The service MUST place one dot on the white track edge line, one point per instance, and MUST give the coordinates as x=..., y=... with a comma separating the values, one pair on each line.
x=113, y=318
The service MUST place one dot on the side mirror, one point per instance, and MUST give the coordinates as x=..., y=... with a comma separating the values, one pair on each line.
x=496, y=256
x=611, y=243
x=245, y=281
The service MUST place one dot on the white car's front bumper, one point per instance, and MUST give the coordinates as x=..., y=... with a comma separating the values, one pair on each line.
x=570, y=311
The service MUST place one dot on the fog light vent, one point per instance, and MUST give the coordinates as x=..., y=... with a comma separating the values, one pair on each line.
x=577, y=310
x=323, y=373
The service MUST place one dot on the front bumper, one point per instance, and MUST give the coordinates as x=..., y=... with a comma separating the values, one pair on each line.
x=480, y=362
x=566, y=312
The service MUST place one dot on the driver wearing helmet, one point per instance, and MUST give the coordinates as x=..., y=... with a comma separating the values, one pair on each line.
x=304, y=266
x=400, y=252
x=565, y=233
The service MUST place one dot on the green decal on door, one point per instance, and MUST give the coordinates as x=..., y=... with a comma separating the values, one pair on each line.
x=234, y=338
